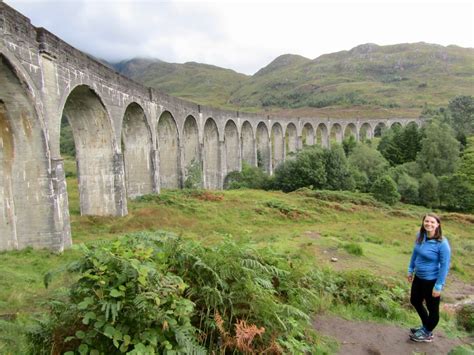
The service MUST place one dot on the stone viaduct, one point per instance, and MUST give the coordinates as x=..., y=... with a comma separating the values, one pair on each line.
x=130, y=140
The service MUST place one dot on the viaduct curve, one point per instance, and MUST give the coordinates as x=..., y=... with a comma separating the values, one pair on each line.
x=130, y=140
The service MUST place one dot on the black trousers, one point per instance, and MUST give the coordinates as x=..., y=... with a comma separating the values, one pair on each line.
x=421, y=290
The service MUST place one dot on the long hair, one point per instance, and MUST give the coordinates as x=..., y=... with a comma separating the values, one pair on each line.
x=438, y=232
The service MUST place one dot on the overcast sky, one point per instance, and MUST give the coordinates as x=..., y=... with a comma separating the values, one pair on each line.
x=246, y=35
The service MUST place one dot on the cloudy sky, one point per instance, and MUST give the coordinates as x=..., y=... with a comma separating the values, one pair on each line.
x=245, y=35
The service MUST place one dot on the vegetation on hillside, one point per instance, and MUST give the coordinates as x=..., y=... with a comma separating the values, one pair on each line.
x=366, y=80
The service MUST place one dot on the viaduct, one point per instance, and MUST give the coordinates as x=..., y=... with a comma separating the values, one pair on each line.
x=130, y=139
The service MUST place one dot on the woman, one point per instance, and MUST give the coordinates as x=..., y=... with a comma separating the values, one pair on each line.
x=427, y=272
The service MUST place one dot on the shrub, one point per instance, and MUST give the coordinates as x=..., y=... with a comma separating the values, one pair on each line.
x=354, y=249
x=428, y=190
x=155, y=293
x=465, y=317
x=123, y=301
x=251, y=177
x=307, y=169
x=385, y=190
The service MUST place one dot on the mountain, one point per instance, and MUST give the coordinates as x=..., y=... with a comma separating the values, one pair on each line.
x=200, y=83
x=368, y=80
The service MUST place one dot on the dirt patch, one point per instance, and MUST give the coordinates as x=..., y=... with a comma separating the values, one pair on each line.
x=362, y=338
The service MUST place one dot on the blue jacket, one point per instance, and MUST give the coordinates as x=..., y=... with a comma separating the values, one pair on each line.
x=430, y=261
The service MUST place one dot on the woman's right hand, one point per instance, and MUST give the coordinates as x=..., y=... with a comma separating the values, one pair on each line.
x=410, y=278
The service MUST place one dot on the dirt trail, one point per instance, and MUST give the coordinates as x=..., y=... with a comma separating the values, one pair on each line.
x=362, y=338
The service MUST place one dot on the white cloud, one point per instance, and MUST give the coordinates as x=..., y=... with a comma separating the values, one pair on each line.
x=247, y=35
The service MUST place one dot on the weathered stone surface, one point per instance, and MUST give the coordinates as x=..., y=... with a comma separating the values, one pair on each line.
x=130, y=140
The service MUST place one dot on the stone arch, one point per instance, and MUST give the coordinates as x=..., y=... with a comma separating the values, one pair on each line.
x=191, y=148
x=396, y=124
x=263, y=148
x=168, y=151
x=278, y=147
x=291, y=139
x=27, y=195
x=365, y=131
x=232, y=147
x=95, y=152
x=137, y=151
x=307, y=134
x=211, y=161
x=350, y=130
x=248, y=144
x=336, y=133
x=322, y=135
x=379, y=129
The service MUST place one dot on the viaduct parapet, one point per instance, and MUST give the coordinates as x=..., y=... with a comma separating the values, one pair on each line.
x=130, y=139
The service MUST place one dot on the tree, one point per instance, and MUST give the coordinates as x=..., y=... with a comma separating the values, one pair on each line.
x=338, y=176
x=366, y=160
x=306, y=169
x=389, y=145
x=349, y=144
x=408, y=188
x=385, y=190
x=456, y=192
x=428, y=190
x=439, y=153
x=461, y=109
x=410, y=142
x=466, y=166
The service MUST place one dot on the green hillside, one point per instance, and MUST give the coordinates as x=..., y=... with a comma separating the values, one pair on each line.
x=368, y=79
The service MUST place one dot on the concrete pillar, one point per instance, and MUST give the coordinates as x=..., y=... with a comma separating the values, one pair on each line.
x=119, y=185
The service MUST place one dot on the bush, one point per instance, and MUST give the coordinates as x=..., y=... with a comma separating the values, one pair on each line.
x=124, y=300
x=354, y=249
x=251, y=177
x=155, y=293
x=385, y=190
x=307, y=169
x=428, y=190
x=465, y=317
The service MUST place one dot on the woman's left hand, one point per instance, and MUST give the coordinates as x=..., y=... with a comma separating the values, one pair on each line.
x=436, y=293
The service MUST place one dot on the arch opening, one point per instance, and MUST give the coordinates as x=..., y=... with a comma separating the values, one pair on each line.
x=278, y=151
x=291, y=140
x=191, y=154
x=95, y=151
x=307, y=135
x=168, y=151
x=211, y=155
x=232, y=147
x=248, y=145
x=263, y=148
x=137, y=152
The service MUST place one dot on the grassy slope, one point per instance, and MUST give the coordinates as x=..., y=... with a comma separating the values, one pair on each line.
x=368, y=80
x=295, y=222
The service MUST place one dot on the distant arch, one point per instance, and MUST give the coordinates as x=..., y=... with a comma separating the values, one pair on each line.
x=336, y=134
x=263, y=148
x=291, y=139
x=232, y=147
x=211, y=161
x=248, y=144
x=168, y=151
x=322, y=135
x=365, y=132
x=379, y=129
x=307, y=134
x=350, y=130
x=191, y=149
x=277, y=142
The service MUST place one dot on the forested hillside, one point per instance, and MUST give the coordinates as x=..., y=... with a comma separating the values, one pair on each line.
x=367, y=80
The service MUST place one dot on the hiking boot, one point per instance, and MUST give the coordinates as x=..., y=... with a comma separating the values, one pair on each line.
x=422, y=337
x=414, y=330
